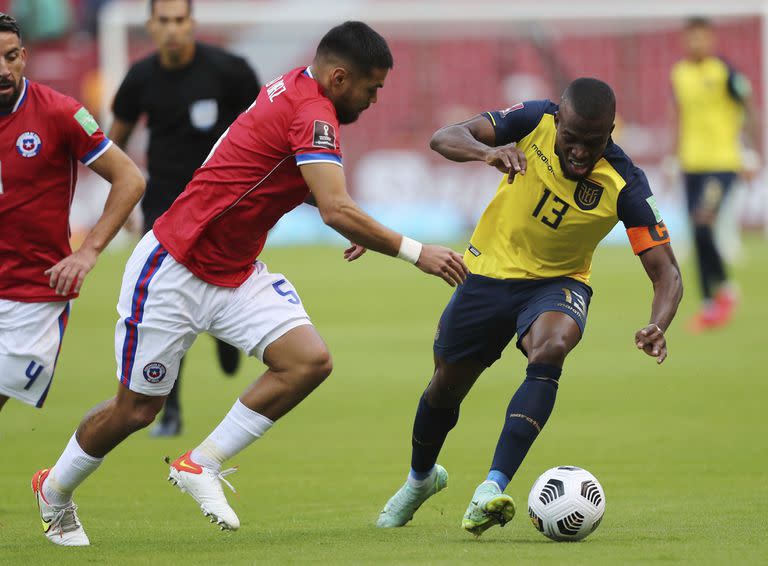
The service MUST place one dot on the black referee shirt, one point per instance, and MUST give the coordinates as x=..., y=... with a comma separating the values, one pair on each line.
x=187, y=111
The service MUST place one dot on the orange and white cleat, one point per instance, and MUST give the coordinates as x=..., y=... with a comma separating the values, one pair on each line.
x=60, y=524
x=204, y=485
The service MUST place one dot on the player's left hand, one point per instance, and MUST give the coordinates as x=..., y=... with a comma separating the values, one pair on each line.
x=652, y=341
x=72, y=271
x=354, y=251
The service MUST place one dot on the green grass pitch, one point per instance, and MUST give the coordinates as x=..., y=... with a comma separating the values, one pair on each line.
x=680, y=449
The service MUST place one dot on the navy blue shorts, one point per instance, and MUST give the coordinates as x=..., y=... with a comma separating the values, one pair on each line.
x=485, y=313
x=706, y=191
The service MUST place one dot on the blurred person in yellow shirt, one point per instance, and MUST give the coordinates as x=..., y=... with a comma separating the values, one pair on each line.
x=713, y=104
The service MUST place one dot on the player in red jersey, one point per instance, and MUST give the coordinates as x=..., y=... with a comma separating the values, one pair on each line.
x=43, y=134
x=198, y=271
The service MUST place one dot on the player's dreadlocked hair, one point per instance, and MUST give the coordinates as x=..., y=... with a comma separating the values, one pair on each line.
x=9, y=24
x=591, y=99
x=359, y=44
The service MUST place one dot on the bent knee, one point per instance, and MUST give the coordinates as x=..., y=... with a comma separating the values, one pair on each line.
x=552, y=350
x=140, y=413
x=142, y=416
x=316, y=366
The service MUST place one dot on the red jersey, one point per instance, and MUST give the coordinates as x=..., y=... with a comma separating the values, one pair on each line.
x=217, y=227
x=41, y=140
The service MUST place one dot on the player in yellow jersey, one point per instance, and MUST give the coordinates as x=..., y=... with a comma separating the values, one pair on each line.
x=566, y=184
x=712, y=101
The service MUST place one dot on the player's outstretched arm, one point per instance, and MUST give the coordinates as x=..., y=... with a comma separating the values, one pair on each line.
x=662, y=269
x=127, y=188
x=340, y=212
x=475, y=140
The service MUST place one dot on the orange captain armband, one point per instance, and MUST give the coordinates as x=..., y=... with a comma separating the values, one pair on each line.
x=646, y=237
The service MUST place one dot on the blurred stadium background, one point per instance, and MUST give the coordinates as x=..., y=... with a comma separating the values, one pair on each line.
x=680, y=449
x=452, y=59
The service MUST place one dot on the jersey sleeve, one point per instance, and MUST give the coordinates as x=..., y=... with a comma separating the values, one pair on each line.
x=638, y=210
x=314, y=134
x=85, y=138
x=739, y=86
x=126, y=106
x=516, y=122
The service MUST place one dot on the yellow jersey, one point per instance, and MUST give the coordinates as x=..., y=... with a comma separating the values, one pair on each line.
x=710, y=99
x=544, y=225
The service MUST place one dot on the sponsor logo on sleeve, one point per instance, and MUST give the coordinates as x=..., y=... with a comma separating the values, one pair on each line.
x=518, y=106
x=324, y=135
x=651, y=200
x=86, y=121
x=28, y=144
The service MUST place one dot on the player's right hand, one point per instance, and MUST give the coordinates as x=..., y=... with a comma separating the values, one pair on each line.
x=444, y=263
x=507, y=159
x=70, y=272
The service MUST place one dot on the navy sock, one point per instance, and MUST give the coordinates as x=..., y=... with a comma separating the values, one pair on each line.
x=430, y=428
x=527, y=414
x=711, y=267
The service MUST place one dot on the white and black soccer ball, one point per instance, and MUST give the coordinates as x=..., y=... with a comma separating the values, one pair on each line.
x=566, y=503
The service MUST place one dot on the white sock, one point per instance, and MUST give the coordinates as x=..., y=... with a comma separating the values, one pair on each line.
x=239, y=428
x=72, y=468
x=420, y=484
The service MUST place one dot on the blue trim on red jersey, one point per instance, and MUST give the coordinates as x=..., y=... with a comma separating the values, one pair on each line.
x=20, y=101
x=140, y=294
x=303, y=158
x=94, y=154
x=63, y=319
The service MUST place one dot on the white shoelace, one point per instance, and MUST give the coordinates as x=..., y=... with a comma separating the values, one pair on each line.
x=65, y=519
x=221, y=475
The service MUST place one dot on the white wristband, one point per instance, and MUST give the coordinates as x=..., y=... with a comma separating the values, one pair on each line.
x=410, y=250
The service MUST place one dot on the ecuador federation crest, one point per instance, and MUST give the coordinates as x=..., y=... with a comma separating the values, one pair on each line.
x=587, y=194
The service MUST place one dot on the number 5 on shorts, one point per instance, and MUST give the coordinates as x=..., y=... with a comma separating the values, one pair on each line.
x=293, y=297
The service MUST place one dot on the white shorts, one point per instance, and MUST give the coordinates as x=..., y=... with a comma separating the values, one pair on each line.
x=163, y=307
x=30, y=340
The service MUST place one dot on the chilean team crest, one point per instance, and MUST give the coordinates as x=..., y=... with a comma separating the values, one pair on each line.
x=28, y=144
x=154, y=372
x=587, y=194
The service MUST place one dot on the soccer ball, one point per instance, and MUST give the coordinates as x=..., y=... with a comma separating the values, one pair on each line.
x=566, y=503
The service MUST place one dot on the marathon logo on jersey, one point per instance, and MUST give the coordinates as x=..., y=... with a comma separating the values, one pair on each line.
x=518, y=106
x=28, y=144
x=154, y=372
x=325, y=135
x=587, y=194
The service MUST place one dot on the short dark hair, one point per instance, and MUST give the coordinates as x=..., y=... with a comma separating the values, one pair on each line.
x=358, y=44
x=590, y=98
x=698, y=22
x=153, y=2
x=9, y=24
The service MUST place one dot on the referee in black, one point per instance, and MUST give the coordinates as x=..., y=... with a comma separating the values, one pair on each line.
x=190, y=93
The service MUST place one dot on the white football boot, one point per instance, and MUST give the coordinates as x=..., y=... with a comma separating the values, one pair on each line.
x=204, y=485
x=60, y=524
